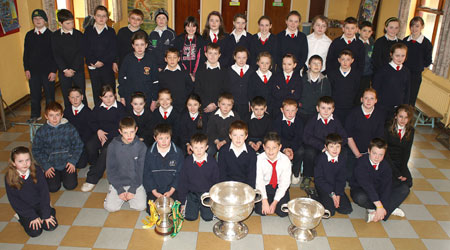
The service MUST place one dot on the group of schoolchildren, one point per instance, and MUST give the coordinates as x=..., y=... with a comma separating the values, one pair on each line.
x=195, y=110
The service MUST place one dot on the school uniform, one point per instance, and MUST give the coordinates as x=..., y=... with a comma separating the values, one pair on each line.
x=291, y=134
x=313, y=89
x=38, y=59
x=344, y=88
x=159, y=41
x=293, y=43
x=197, y=176
x=218, y=126
x=341, y=43
x=258, y=45
x=179, y=83
x=286, y=86
x=210, y=82
x=191, y=51
x=273, y=180
x=144, y=121
x=381, y=52
x=170, y=117
x=237, y=164
x=100, y=45
x=238, y=83
x=373, y=182
x=32, y=201
x=224, y=44
x=68, y=52
x=124, y=43
x=367, y=74
x=261, y=84
x=315, y=132
x=189, y=125
x=318, y=46
x=329, y=178
x=235, y=40
x=138, y=74
x=258, y=128
x=399, y=152
x=419, y=56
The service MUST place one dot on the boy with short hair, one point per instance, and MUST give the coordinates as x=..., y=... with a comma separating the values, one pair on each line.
x=259, y=124
x=316, y=130
x=272, y=177
x=135, y=20
x=124, y=169
x=210, y=80
x=290, y=128
x=292, y=41
x=142, y=117
x=330, y=176
x=237, y=161
x=57, y=148
x=68, y=51
x=219, y=123
x=163, y=163
x=365, y=35
x=39, y=64
x=199, y=173
x=176, y=79
x=161, y=38
x=347, y=41
x=372, y=188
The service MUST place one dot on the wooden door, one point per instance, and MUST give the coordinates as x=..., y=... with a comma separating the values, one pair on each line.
x=317, y=7
x=231, y=8
x=183, y=9
x=277, y=13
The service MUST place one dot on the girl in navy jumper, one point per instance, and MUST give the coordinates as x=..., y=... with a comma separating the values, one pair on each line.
x=166, y=114
x=239, y=36
x=263, y=41
x=261, y=81
x=192, y=121
x=400, y=136
x=105, y=122
x=214, y=33
x=382, y=46
x=28, y=194
x=419, y=57
x=143, y=118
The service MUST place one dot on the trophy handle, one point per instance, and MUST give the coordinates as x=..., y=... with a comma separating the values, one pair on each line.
x=204, y=197
x=285, y=208
x=258, y=196
x=326, y=214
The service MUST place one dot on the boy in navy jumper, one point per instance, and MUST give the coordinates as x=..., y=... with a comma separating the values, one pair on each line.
x=161, y=38
x=163, y=163
x=259, y=124
x=330, y=176
x=68, y=51
x=316, y=130
x=79, y=115
x=176, y=79
x=344, y=85
x=143, y=118
x=237, y=161
x=219, y=123
x=138, y=72
x=100, y=52
x=39, y=65
x=261, y=80
x=272, y=177
x=372, y=188
x=347, y=41
x=199, y=173
x=57, y=148
x=290, y=128
x=192, y=121
x=263, y=41
x=292, y=41
x=365, y=35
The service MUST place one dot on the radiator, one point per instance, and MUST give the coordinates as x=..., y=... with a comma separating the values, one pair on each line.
x=435, y=92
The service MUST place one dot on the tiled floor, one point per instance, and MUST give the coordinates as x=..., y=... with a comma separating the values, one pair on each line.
x=84, y=224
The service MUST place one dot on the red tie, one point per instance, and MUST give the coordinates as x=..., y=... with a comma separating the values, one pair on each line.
x=215, y=38
x=265, y=79
x=367, y=116
x=76, y=112
x=287, y=79
x=190, y=40
x=332, y=161
x=200, y=163
x=273, y=179
x=39, y=33
x=325, y=121
x=138, y=115
x=263, y=41
x=289, y=123
x=398, y=68
x=242, y=73
x=400, y=133
x=165, y=115
x=292, y=35
x=349, y=41
x=413, y=41
x=193, y=118
x=23, y=176
x=139, y=59
x=374, y=167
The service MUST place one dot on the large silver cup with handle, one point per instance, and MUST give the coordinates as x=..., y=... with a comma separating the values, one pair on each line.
x=231, y=202
x=163, y=205
x=305, y=214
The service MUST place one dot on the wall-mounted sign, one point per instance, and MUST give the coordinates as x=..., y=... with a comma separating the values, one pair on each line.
x=235, y=3
x=277, y=3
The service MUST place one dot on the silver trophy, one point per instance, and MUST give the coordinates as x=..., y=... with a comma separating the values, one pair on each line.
x=305, y=215
x=163, y=205
x=232, y=202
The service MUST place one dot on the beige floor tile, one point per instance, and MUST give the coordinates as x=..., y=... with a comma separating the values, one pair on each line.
x=254, y=225
x=80, y=184
x=4, y=155
x=446, y=196
x=143, y=239
x=423, y=145
x=440, y=163
x=6, y=212
x=95, y=200
x=24, y=137
x=439, y=212
x=55, y=196
x=422, y=185
x=412, y=198
x=446, y=153
x=205, y=241
x=417, y=154
x=191, y=226
x=19, y=128
x=279, y=242
x=122, y=219
x=338, y=215
x=431, y=173
x=4, y=144
x=66, y=215
x=80, y=236
x=320, y=230
x=408, y=244
x=295, y=192
x=369, y=230
x=428, y=229
x=341, y=243
x=2, y=192
x=429, y=137
x=39, y=247
x=13, y=233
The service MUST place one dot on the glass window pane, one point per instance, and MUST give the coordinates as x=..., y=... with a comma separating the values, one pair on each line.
x=436, y=41
x=429, y=19
x=432, y=4
x=61, y=4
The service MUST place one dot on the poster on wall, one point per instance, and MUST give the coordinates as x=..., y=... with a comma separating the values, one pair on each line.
x=367, y=10
x=148, y=7
x=9, y=19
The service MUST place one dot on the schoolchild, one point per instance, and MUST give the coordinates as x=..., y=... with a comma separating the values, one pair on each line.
x=161, y=38
x=259, y=125
x=263, y=41
x=292, y=41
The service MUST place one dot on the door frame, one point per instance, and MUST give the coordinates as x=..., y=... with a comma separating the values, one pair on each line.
x=248, y=7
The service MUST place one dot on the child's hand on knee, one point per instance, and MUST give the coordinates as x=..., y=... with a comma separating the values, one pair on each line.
x=36, y=223
x=265, y=207
x=273, y=206
x=123, y=196
x=129, y=196
x=50, y=173
x=70, y=168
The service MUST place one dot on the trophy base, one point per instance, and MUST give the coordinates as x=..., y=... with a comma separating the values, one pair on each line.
x=301, y=234
x=230, y=231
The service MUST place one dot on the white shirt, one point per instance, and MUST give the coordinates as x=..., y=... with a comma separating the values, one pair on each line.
x=268, y=74
x=364, y=41
x=286, y=119
x=132, y=29
x=238, y=151
x=331, y=158
x=159, y=30
x=395, y=65
x=138, y=114
x=253, y=116
x=346, y=39
x=314, y=79
x=114, y=105
x=100, y=29
x=289, y=33
x=42, y=30
x=328, y=120
x=367, y=113
x=238, y=37
x=345, y=74
x=318, y=46
x=418, y=40
x=387, y=38
x=372, y=163
x=203, y=158
x=264, y=174
x=231, y=113
x=169, y=110
x=163, y=154
x=211, y=35
x=403, y=130
x=193, y=115
x=177, y=68
x=26, y=174
x=260, y=36
x=288, y=74
x=66, y=32
x=79, y=108
x=237, y=68
x=209, y=66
